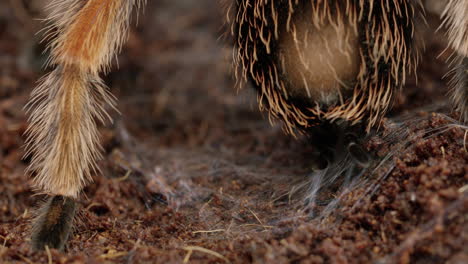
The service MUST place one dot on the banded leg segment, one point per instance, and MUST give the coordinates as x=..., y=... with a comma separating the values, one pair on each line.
x=63, y=138
x=54, y=223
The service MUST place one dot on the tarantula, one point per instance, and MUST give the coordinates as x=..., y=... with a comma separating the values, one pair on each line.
x=323, y=67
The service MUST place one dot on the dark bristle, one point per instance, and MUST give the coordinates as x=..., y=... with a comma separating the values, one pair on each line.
x=54, y=222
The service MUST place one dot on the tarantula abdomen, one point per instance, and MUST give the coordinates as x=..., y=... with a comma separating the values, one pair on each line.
x=318, y=60
x=315, y=62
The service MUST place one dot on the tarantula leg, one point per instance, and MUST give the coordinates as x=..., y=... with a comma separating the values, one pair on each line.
x=63, y=138
x=460, y=88
x=456, y=22
x=54, y=223
x=335, y=142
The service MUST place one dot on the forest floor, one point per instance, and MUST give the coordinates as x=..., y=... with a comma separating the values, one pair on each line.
x=194, y=173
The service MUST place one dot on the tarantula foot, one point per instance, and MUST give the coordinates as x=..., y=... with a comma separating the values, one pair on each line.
x=54, y=222
x=359, y=155
x=319, y=161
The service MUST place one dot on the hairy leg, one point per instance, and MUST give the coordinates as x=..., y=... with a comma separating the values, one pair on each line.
x=62, y=137
x=460, y=87
x=456, y=21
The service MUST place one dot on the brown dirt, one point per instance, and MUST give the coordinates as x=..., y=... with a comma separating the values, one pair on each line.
x=191, y=165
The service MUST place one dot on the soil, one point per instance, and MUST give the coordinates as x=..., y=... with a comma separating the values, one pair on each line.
x=194, y=173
